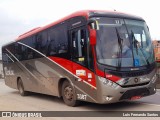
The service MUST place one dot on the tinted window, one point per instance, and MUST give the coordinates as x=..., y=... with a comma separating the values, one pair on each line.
x=8, y=53
x=52, y=43
x=18, y=51
x=29, y=41
x=26, y=52
x=42, y=42
x=78, y=43
x=78, y=46
x=58, y=40
x=6, y=56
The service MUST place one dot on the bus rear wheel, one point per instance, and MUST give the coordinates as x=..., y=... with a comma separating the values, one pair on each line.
x=21, y=88
x=68, y=94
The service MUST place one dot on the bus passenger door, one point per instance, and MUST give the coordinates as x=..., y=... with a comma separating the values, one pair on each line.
x=80, y=54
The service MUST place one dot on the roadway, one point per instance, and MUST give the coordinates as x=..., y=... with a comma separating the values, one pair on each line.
x=10, y=100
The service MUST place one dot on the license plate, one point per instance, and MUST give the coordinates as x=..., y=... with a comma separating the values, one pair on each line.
x=135, y=97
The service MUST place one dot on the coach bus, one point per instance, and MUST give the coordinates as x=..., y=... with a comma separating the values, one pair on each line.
x=93, y=56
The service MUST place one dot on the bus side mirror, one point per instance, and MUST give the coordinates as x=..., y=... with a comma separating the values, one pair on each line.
x=93, y=24
x=92, y=36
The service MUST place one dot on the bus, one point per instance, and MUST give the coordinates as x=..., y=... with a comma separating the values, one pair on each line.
x=94, y=56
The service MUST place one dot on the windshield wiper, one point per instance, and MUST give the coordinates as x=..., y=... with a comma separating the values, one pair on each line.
x=136, y=45
x=120, y=41
x=144, y=56
x=134, y=41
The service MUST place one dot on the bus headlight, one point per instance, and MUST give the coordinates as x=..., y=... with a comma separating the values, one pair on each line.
x=123, y=81
x=154, y=78
x=108, y=82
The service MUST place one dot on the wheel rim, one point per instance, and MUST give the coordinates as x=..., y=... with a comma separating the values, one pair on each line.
x=68, y=93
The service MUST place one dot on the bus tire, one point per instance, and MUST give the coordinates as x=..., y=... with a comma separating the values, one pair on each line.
x=68, y=94
x=21, y=88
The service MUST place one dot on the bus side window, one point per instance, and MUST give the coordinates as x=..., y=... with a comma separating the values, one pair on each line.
x=78, y=46
x=61, y=39
x=51, y=43
x=52, y=48
x=62, y=48
x=58, y=41
x=18, y=51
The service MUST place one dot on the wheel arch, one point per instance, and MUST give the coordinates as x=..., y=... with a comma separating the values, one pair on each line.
x=18, y=78
x=60, y=83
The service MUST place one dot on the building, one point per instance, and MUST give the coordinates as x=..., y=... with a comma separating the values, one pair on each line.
x=156, y=44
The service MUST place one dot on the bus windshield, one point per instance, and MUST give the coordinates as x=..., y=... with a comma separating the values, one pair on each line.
x=123, y=42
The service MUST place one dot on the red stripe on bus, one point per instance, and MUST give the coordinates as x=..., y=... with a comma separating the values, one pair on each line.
x=98, y=72
x=72, y=67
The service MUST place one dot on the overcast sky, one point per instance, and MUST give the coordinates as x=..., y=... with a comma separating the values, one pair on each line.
x=19, y=16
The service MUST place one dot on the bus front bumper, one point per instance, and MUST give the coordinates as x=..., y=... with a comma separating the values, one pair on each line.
x=107, y=93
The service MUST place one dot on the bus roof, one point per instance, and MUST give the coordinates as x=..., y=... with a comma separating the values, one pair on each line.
x=85, y=13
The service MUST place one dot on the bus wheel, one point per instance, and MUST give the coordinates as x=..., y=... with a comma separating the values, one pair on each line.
x=21, y=88
x=68, y=94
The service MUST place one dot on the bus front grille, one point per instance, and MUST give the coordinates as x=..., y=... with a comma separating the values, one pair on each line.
x=135, y=85
x=135, y=92
x=131, y=74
